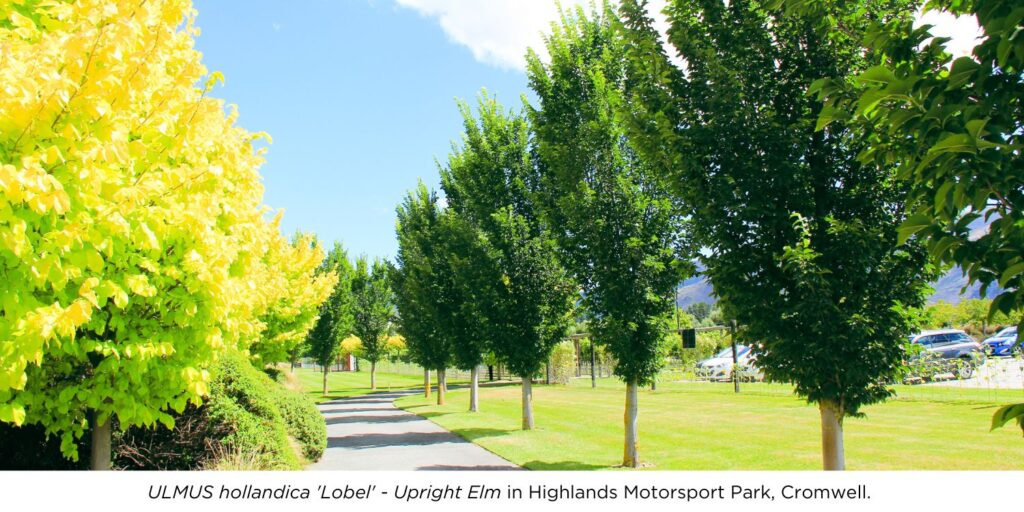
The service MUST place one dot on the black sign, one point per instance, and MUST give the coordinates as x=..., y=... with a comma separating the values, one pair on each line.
x=689, y=338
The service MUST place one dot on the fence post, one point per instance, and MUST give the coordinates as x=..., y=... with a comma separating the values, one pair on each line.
x=735, y=358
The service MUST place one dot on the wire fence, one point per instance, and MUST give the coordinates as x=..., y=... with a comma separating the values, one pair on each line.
x=709, y=366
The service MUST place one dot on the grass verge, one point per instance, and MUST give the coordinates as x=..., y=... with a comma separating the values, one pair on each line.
x=702, y=426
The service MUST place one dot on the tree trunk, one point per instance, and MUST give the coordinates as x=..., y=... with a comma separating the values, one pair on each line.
x=832, y=454
x=631, y=455
x=426, y=383
x=440, y=386
x=527, y=404
x=325, y=380
x=474, y=389
x=101, y=434
x=373, y=375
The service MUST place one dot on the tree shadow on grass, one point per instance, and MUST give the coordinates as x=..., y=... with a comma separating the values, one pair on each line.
x=562, y=465
x=471, y=434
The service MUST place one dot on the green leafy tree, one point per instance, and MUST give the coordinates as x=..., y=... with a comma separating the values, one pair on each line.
x=700, y=311
x=414, y=279
x=372, y=310
x=467, y=291
x=134, y=244
x=954, y=126
x=801, y=237
x=486, y=180
x=618, y=227
x=335, y=322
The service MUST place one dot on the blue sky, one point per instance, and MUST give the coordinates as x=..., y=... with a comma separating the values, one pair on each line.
x=359, y=98
x=359, y=95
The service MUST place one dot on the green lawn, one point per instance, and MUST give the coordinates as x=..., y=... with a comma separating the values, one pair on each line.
x=349, y=384
x=707, y=426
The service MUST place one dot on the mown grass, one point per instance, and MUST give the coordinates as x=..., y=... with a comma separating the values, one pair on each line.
x=709, y=427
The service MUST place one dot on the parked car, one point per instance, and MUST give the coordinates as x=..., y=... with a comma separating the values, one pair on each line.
x=944, y=352
x=1003, y=343
x=719, y=367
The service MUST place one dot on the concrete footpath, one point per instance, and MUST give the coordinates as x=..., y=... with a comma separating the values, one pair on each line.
x=370, y=433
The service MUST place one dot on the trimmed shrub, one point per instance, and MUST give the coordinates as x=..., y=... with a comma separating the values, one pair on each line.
x=248, y=422
x=304, y=423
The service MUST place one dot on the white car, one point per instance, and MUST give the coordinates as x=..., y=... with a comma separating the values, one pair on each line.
x=719, y=367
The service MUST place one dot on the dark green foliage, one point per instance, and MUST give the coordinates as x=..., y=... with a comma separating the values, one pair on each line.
x=323, y=343
x=801, y=236
x=487, y=181
x=619, y=230
x=699, y=311
x=468, y=284
x=304, y=422
x=415, y=280
x=372, y=307
x=28, y=448
x=954, y=128
x=241, y=398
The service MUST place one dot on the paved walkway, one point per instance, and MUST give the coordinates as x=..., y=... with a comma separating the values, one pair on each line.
x=369, y=432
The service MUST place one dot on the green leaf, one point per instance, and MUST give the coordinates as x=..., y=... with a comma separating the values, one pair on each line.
x=1010, y=273
x=975, y=126
x=942, y=194
x=1008, y=413
x=912, y=225
x=960, y=72
x=876, y=74
x=955, y=143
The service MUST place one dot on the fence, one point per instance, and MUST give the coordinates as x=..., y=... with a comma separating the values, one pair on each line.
x=993, y=379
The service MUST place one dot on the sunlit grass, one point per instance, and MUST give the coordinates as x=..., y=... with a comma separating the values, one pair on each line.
x=708, y=426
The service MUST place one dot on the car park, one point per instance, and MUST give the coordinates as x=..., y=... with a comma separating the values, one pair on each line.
x=720, y=366
x=1003, y=343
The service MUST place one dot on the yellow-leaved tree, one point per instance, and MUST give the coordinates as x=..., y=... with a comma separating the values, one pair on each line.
x=134, y=243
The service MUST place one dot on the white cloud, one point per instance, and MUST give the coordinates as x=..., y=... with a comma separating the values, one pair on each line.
x=498, y=32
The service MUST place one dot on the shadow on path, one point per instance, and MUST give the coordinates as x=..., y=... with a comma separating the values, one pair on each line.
x=370, y=433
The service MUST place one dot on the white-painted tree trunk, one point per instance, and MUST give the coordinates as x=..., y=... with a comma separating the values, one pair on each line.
x=630, y=454
x=527, y=404
x=426, y=383
x=440, y=386
x=474, y=389
x=101, y=434
x=832, y=454
x=373, y=375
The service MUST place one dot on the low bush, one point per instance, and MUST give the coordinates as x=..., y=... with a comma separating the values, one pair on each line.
x=248, y=418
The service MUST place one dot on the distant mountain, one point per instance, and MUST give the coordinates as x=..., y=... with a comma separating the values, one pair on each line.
x=947, y=288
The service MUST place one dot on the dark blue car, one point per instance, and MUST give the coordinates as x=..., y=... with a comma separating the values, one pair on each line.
x=1003, y=342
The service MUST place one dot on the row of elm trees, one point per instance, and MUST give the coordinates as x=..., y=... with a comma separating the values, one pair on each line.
x=824, y=161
